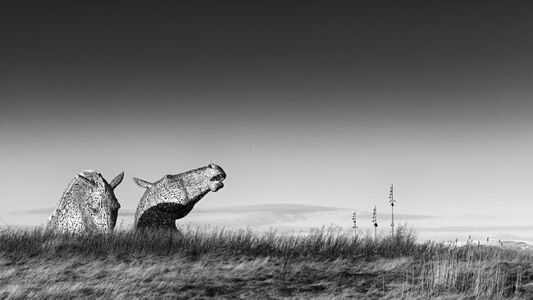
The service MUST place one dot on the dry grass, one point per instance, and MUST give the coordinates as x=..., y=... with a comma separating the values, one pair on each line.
x=243, y=264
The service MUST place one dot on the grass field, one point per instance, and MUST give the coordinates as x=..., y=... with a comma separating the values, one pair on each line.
x=212, y=262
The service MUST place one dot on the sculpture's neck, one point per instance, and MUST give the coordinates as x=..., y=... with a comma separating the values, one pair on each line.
x=163, y=215
x=68, y=215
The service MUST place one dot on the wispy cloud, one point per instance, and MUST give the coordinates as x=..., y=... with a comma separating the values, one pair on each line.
x=36, y=211
x=285, y=217
x=289, y=217
x=282, y=216
x=477, y=228
x=283, y=207
x=287, y=208
x=126, y=212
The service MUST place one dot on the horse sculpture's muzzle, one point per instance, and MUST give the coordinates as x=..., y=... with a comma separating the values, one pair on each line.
x=215, y=182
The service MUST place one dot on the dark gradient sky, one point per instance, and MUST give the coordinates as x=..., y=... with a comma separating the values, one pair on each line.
x=302, y=102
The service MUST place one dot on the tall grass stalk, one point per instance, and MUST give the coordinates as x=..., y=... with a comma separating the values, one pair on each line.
x=392, y=201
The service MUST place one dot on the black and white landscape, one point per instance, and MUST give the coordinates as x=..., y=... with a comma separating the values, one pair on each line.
x=313, y=109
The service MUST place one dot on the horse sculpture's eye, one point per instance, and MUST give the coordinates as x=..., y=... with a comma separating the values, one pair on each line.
x=94, y=209
x=218, y=177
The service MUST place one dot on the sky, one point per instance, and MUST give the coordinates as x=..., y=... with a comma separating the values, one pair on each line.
x=310, y=103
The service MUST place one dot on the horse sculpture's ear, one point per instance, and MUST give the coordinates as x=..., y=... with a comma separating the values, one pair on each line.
x=142, y=183
x=117, y=180
x=87, y=180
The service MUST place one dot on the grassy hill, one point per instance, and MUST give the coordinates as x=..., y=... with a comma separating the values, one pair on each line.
x=210, y=262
